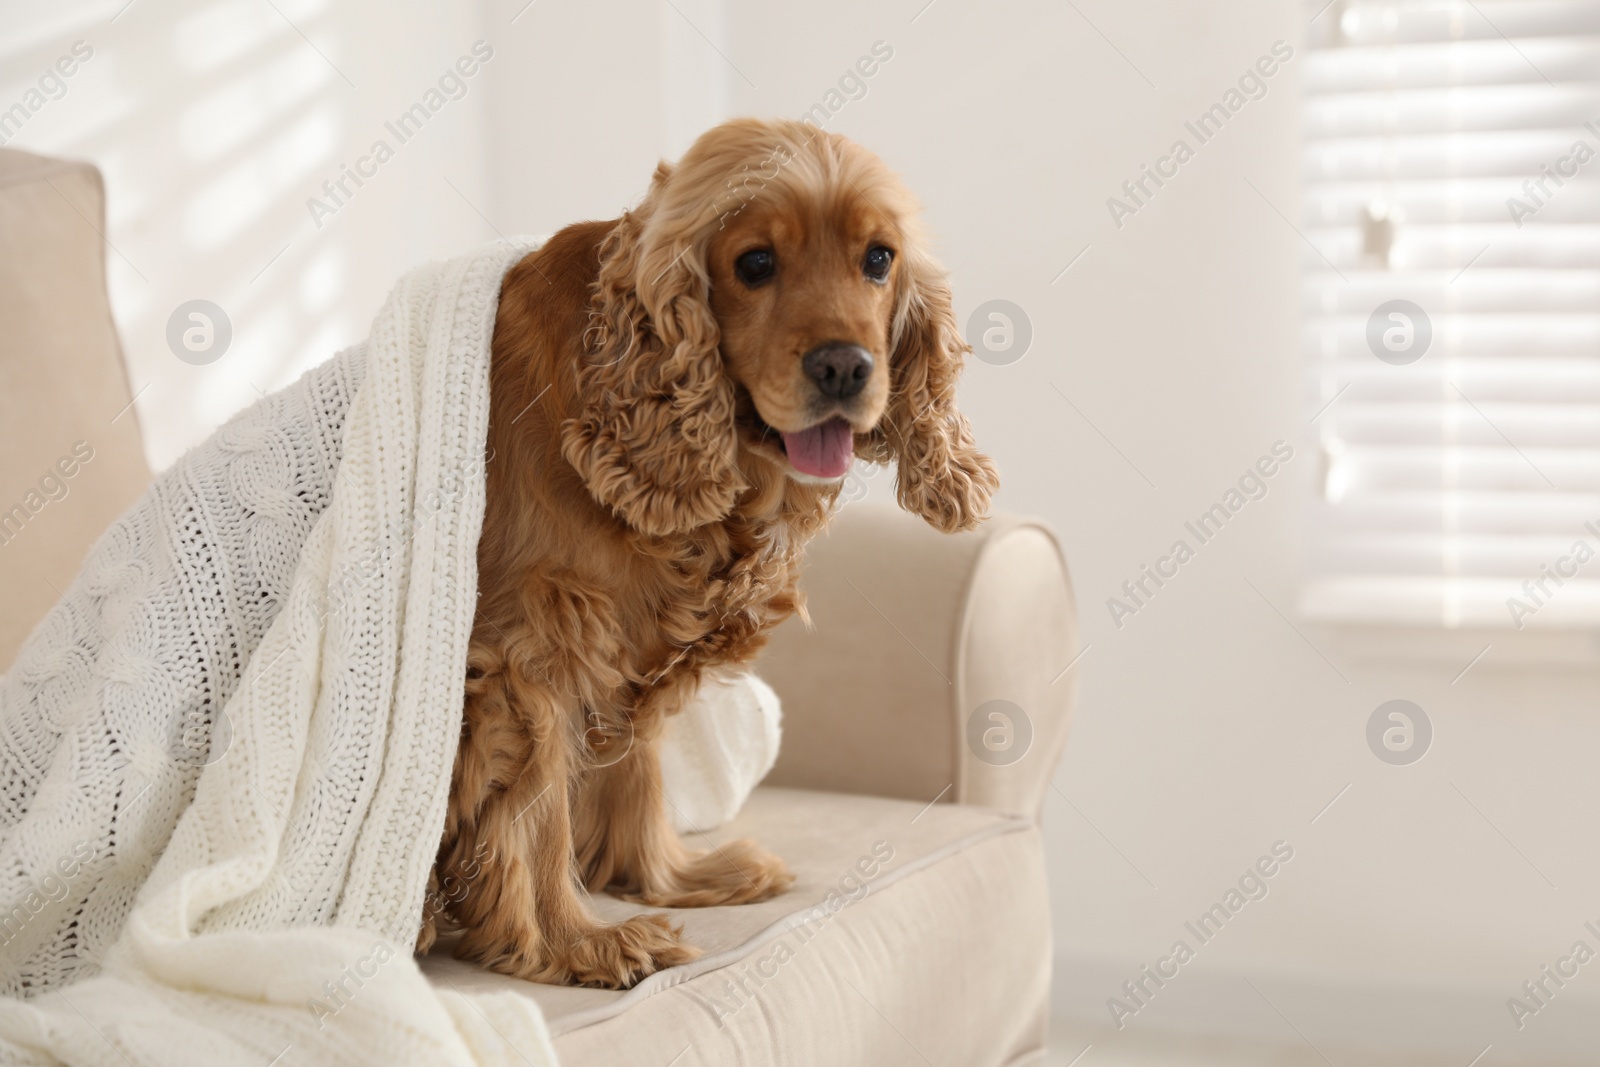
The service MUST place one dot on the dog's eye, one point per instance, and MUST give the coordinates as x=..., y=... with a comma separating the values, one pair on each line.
x=875, y=264
x=755, y=266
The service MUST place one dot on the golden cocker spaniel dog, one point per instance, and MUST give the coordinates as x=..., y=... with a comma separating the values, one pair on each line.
x=675, y=398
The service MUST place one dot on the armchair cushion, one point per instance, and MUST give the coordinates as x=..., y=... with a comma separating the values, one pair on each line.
x=909, y=927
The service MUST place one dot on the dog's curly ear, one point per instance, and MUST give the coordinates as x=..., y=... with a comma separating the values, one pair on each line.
x=655, y=439
x=941, y=475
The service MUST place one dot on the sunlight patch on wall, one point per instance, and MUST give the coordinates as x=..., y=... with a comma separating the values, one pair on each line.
x=246, y=191
x=322, y=282
x=244, y=108
x=222, y=34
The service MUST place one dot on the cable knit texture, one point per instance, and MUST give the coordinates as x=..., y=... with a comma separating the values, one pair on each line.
x=226, y=752
x=715, y=751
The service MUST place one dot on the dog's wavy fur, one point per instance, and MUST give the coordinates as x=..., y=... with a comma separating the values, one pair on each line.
x=643, y=527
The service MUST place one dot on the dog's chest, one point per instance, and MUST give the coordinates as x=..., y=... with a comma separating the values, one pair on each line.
x=712, y=601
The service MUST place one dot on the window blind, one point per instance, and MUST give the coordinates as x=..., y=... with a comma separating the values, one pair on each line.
x=1451, y=311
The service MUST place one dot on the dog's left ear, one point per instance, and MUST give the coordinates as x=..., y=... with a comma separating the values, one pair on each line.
x=941, y=474
x=655, y=440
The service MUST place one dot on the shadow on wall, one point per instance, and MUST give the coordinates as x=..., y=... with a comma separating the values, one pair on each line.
x=252, y=155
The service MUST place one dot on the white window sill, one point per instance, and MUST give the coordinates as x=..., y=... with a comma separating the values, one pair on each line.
x=1452, y=603
x=1440, y=621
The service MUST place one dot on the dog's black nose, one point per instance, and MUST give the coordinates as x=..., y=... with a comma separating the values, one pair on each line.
x=840, y=370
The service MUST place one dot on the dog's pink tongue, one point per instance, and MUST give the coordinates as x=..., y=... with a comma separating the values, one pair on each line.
x=823, y=451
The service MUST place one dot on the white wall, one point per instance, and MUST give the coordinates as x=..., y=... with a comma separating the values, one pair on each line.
x=1208, y=727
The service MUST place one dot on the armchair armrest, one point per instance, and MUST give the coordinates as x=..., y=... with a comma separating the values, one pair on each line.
x=913, y=634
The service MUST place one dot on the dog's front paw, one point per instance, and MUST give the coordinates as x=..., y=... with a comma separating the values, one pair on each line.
x=739, y=872
x=619, y=955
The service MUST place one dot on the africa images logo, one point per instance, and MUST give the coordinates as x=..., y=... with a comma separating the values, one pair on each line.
x=1252, y=485
x=1399, y=332
x=1252, y=85
x=453, y=84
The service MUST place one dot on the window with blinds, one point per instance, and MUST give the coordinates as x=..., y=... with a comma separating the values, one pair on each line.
x=1451, y=311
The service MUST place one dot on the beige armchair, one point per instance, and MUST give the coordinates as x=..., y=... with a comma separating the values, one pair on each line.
x=925, y=709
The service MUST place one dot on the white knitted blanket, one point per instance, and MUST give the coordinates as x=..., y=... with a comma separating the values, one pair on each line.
x=226, y=752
